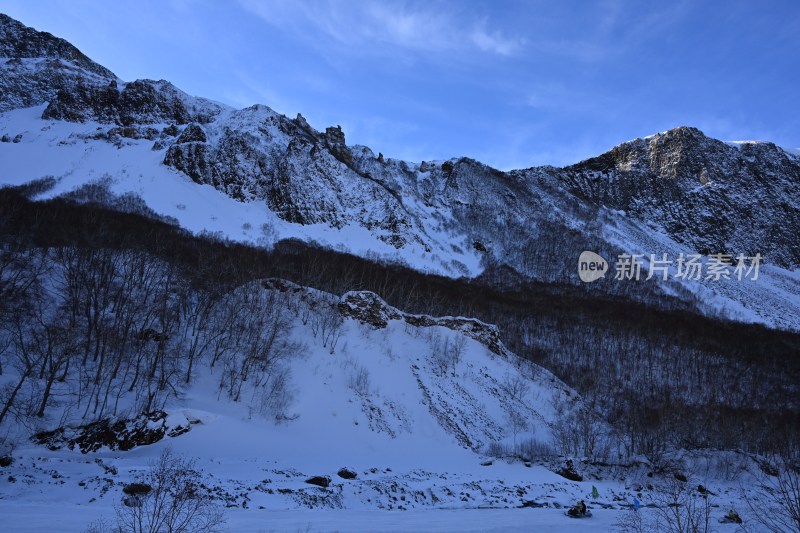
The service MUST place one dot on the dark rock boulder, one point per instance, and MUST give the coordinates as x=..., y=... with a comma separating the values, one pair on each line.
x=346, y=473
x=136, y=489
x=532, y=504
x=569, y=472
x=135, y=493
x=732, y=517
x=320, y=481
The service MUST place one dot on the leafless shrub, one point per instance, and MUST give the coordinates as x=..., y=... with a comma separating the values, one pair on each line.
x=359, y=380
x=680, y=508
x=326, y=322
x=517, y=422
x=776, y=506
x=446, y=352
x=102, y=526
x=499, y=449
x=275, y=396
x=530, y=449
x=306, y=313
x=527, y=450
x=515, y=386
x=632, y=522
x=173, y=502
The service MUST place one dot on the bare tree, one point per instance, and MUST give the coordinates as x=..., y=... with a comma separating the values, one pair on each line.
x=516, y=386
x=54, y=347
x=359, y=380
x=446, y=352
x=579, y=430
x=330, y=325
x=517, y=422
x=26, y=359
x=777, y=504
x=258, y=339
x=681, y=509
x=456, y=352
x=167, y=499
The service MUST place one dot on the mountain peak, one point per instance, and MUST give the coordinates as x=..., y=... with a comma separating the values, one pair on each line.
x=701, y=192
x=685, y=132
x=20, y=41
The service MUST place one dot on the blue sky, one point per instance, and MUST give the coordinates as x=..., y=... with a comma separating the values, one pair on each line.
x=511, y=83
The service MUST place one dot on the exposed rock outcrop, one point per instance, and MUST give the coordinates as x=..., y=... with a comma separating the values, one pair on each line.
x=715, y=197
x=368, y=307
x=19, y=41
x=113, y=434
x=334, y=141
x=138, y=102
x=193, y=133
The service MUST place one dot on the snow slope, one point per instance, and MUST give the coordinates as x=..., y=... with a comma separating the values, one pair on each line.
x=381, y=403
x=254, y=175
x=76, y=157
x=83, y=153
x=414, y=435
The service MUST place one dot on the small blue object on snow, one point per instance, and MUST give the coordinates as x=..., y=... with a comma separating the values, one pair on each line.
x=636, y=504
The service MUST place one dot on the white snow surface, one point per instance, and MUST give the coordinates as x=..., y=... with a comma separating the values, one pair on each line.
x=70, y=153
x=773, y=299
x=66, y=151
x=403, y=434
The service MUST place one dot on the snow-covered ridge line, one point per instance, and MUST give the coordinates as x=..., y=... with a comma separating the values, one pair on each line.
x=369, y=308
x=286, y=179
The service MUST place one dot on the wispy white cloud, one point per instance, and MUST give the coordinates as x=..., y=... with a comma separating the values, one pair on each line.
x=558, y=97
x=385, y=27
x=615, y=30
x=494, y=41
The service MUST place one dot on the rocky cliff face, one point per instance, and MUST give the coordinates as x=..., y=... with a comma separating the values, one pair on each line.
x=465, y=217
x=19, y=41
x=304, y=176
x=716, y=197
x=35, y=66
x=135, y=103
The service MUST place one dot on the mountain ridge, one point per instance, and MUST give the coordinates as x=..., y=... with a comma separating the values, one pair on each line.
x=20, y=41
x=288, y=313
x=674, y=192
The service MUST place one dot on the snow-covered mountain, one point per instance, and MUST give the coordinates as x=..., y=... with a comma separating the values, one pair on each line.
x=294, y=398
x=382, y=411
x=275, y=177
x=712, y=196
